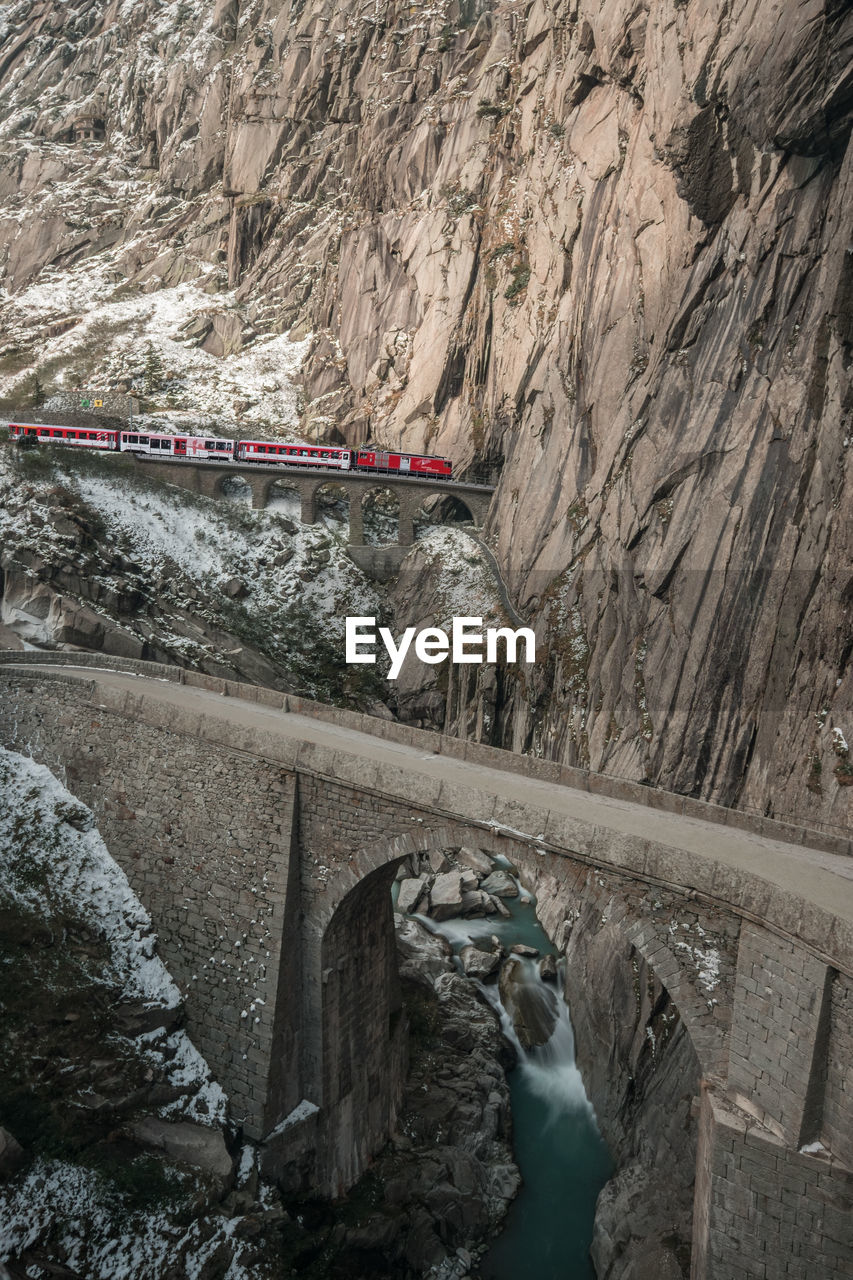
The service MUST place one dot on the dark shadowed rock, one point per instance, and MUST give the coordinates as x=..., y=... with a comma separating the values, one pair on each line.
x=531, y=1006
x=479, y=964
x=445, y=898
x=11, y=1154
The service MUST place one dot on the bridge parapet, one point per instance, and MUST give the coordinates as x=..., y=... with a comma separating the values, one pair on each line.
x=836, y=841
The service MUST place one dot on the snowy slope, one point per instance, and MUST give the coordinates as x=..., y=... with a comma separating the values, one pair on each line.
x=151, y=1217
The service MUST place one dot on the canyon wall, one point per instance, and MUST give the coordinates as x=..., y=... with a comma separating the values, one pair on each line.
x=598, y=249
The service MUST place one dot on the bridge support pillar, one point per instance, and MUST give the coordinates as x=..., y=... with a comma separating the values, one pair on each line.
x=309, y=505
x=762, y=1207
x=356, y=518
x=408, y=507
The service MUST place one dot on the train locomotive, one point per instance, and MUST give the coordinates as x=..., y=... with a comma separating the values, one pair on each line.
x=259, y=452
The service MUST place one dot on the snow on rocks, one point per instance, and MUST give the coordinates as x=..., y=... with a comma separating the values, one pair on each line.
x=100, y=1240
x=54, y=863
x=51, y=860
x=215, y=546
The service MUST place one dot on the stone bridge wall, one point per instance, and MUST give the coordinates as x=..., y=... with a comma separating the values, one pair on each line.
x=208, y=479
x=266, y=864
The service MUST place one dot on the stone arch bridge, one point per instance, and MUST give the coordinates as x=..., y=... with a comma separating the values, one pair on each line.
x=263, y=832
x=208, y=478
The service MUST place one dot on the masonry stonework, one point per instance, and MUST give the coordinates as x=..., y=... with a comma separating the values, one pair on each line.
x=764, y=1211
x=777, y=1055
x=208, y=479
x=266, y=863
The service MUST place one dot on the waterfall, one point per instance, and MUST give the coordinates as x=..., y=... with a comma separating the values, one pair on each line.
x=558, y=1147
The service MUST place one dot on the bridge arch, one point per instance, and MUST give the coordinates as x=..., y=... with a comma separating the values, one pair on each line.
x=283, y=493
x=234, y=487
x=333, y=500
x=457, y=508
x=353, y=936
x=375, y=523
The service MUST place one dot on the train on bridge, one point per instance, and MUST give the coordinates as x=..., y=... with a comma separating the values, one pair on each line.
x=207, y=449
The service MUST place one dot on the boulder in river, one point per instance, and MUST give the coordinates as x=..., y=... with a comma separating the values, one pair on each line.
x=501, y=884
x=446, y=896
x=411, y=892
x=438, y=861
x=548, y=968
x=531, y=1006
x=424, y=956
x=478, y=963
x=475, y=859
x=522, y=949
x=477, y=903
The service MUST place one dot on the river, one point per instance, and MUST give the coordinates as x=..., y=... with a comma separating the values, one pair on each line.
x=559, y=1150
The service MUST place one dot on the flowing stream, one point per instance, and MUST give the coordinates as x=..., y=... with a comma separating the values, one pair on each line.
x=559, y=1150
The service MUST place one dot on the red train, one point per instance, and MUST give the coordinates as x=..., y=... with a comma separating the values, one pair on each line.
x=271, y=452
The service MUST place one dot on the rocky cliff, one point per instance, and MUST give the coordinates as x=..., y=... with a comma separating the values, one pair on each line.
x=601, y=248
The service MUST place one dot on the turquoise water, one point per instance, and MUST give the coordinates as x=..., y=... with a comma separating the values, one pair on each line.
x=560, y=1152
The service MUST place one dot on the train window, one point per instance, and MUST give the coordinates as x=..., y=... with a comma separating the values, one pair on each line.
x=210, y=444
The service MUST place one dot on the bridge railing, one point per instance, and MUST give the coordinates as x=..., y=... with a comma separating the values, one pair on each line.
x=839, y=841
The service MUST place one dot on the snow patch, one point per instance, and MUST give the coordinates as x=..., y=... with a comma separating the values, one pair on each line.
x=48, y=864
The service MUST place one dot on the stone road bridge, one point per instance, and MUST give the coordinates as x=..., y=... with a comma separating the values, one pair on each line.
x=209, y=478
x=263, y=833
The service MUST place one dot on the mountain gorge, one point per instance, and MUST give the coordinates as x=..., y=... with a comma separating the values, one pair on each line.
x=599, y=249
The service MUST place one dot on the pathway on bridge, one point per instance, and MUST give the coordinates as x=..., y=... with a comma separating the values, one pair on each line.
x=822, y=879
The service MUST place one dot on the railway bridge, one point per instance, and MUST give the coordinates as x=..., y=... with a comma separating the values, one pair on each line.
x=209, y=478
x=263, y=832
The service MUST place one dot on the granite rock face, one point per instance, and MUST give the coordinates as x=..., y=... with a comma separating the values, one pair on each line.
x=598, y=249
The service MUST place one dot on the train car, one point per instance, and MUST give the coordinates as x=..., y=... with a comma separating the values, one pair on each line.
x=44, y=433
x=215, y=449
x=153, y=442
x=162, y=445
x=293, y=455
x=411, y=464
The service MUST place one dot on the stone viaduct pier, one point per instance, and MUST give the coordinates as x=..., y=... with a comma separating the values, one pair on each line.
x=263, y=832
x=208, y=478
